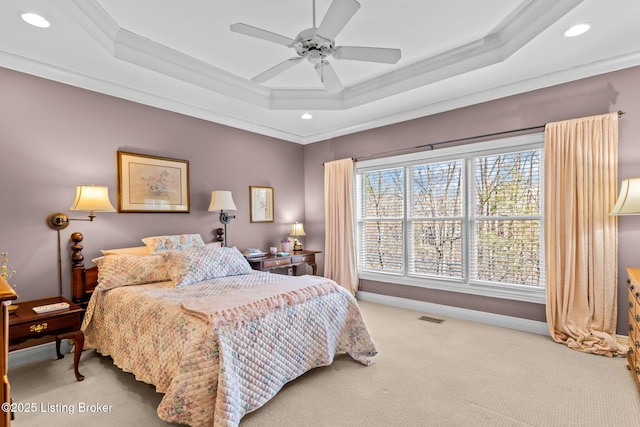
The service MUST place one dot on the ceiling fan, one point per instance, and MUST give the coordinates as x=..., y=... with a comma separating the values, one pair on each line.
x=316, y=44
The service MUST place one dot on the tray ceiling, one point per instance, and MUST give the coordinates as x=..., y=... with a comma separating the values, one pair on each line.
x=181, y=56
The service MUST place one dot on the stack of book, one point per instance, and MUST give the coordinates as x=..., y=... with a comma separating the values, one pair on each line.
x=252, y=252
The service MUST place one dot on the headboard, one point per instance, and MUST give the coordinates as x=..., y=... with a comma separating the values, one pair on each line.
x=83, y=280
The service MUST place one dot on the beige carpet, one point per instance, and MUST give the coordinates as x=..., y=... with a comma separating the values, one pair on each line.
x=455, y=373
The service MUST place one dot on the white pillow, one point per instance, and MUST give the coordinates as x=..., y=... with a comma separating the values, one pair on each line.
x=124, y=270
x=137, y=250
x=205, y=263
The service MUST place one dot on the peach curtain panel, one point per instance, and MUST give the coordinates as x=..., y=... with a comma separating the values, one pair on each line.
x=339, y=212
x=580, y=184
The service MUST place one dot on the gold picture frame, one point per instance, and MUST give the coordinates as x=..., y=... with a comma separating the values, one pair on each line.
x=152, y=184
x=260, y=204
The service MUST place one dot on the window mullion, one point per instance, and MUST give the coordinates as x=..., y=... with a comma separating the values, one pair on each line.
x=407, y=223
x=468, y=239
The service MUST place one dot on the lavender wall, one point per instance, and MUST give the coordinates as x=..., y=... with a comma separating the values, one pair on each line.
x=54, y=136
x=610, y=92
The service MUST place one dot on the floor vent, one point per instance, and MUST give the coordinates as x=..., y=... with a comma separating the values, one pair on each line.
x=431, y=319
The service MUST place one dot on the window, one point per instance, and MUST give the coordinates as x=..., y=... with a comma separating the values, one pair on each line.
x=465, y=219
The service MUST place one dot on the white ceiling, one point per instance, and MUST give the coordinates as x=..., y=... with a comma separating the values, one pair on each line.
x=181, y=55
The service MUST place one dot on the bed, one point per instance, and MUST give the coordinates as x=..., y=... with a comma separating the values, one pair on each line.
x=217, y=338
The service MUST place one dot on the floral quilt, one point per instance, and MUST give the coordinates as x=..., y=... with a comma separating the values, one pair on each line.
x=212, y=373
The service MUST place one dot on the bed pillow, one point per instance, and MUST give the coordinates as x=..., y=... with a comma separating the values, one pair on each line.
x=124, y=270
x=178, y=242
x=137, y=250
x=205, y=263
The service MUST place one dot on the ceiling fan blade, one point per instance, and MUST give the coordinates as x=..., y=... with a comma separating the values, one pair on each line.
x=371, y=54
x=248, y=30
x=339, y=13
x=328, y=77
x=274, y=71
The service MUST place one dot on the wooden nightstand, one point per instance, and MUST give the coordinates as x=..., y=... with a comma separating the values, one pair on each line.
x=6, y=294
x=290, y=262
x=25, y=324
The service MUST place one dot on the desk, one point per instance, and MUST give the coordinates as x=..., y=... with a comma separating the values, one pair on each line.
x=25, y=324
x=291, y=262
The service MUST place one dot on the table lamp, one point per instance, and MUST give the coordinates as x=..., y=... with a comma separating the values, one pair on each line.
x=297, y=229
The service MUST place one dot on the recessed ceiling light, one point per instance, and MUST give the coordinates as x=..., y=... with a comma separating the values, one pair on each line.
x=306, y=116
x=34, y=19
x=577, y=30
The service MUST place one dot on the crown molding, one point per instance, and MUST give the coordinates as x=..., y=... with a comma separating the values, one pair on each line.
x=117, y=41
x=518, y=29
x=111, y=88
x=489, y=94
x=145, y=53
x=92, y=83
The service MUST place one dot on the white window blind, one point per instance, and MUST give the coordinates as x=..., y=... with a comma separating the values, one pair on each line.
x=381, y=226
x=435, y=219
x=465, y=219
x=507, y=222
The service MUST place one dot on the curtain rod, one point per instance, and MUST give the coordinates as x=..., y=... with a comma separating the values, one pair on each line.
x=469, y=138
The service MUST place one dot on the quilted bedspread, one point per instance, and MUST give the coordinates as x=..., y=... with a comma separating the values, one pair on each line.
x=215, y=369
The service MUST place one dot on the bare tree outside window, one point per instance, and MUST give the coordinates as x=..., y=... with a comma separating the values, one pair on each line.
x=383, y=220
x=507, y=226
x=426, y=220
x=436, y=219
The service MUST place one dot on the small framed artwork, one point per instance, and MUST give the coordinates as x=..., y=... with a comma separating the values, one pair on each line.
x=152, y=184
x=261, y=204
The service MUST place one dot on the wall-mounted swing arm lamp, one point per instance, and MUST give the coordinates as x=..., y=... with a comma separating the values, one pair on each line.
x=223, y=201
x=89, y=198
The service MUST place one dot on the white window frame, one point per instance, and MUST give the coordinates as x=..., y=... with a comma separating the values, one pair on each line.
x=466, y=152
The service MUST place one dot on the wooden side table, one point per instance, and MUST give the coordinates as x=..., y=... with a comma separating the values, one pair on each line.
x=25, y=324
x=291, y=262
x=6, y=294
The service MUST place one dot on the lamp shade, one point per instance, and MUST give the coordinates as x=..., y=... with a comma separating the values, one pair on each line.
x=92, y=198
x=629, y=199
x=297, y=229
x=222, y=201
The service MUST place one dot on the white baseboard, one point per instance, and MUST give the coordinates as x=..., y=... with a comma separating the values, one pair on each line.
x=524, y=325
x=37, y=353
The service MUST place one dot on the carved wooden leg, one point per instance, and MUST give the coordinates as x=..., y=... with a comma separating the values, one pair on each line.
x=60, y=355
x=78, y=338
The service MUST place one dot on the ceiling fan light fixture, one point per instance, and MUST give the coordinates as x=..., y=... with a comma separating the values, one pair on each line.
x=34, y=19
x=317, y=44
x=577, y=30
x=315, y=57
